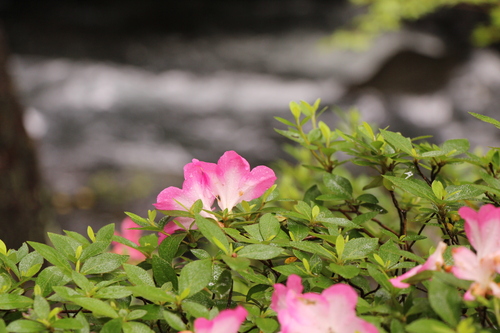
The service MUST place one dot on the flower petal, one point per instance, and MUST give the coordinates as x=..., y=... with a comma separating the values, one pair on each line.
x=227, y=321
x=482, y=228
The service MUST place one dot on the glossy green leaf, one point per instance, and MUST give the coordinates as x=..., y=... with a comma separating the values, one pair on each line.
x=416, y=187
x=269, y=226
x=52, y=256
x=260, y=251
x=428, y=326
x=168, y=248
x=212, y=232
x=398, y=141
x=26, y=326
x=103, y=263
x=445, y=300
x=195, y=276
x=338, y=185
x=13, y=301
x=359, y=248
x=138, y=276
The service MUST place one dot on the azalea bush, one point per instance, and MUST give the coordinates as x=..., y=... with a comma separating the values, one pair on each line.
x=370, y=232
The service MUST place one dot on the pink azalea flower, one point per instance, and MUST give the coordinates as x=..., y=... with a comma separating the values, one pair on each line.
x=232, y=181
x=130, y=234
x=483, y=231
x=227, y=321
x=433, y=263
x=334, y=310
x=468, y=266
x=195, y=187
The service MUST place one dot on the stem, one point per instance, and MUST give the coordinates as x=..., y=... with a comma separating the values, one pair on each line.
x=230, y=297
x=492, y=199
x=401, y=214
x=417, y=167
x=421, y=230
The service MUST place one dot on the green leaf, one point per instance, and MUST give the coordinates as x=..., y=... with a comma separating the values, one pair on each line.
x=414, y=186
x=446, y=301
x=138, y=276
x=98, y=307
x=195, y=309
x=359, y=248
x=347, y=271
x=94, y=249
x=136, y=327
x=64, y=244
x=138, y=219
x=68, y=324
x=103, y=263
x=288, y=270
x=250, y=275
x=260, y=251
x=26, y=326
x=52, y=256
x=76, y=236
x=455, y=146
x=105, y=233
x=152, y=293
x=428, y=326
x=112, y=326
x=398, y=141
x=284, y=121
x=113, y=292
x=41, y=307
x=486, y=119
x=339, y=185
x=463, y=192
x=168, y=248
x=174, y=321
x=50, y=277
x=236, y=264
x=30, y=260
x=313, y=248
x=212, y=232
x=267, y=325
x=163, y=272
x=380, y=277
x=136, y=314
x=13, y=301
x=269, y=226
x=195, y=276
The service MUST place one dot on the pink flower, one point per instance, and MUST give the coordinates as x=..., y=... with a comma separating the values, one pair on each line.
x=468, y=266
x=130, y=234
x=195, y=187
x=483, y=231
x=231, y=181
x=334, y=310
x=433, y=263
x=227, y=321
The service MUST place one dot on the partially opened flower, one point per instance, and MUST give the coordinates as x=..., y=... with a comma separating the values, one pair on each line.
x=130, y=234
x=483, y=232
x=232, y=181
x=482, y=229
x=433, y=263
x=468, y=266
x=227, y=321
x=194, y=188
x=334, y=310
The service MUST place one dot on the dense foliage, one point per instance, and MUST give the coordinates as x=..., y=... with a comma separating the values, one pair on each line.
x=322, y=248
x=390, y=15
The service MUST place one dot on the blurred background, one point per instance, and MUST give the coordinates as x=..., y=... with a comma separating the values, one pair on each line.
x=103, y=102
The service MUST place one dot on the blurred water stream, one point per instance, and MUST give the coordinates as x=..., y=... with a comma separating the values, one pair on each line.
x=117, y=115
